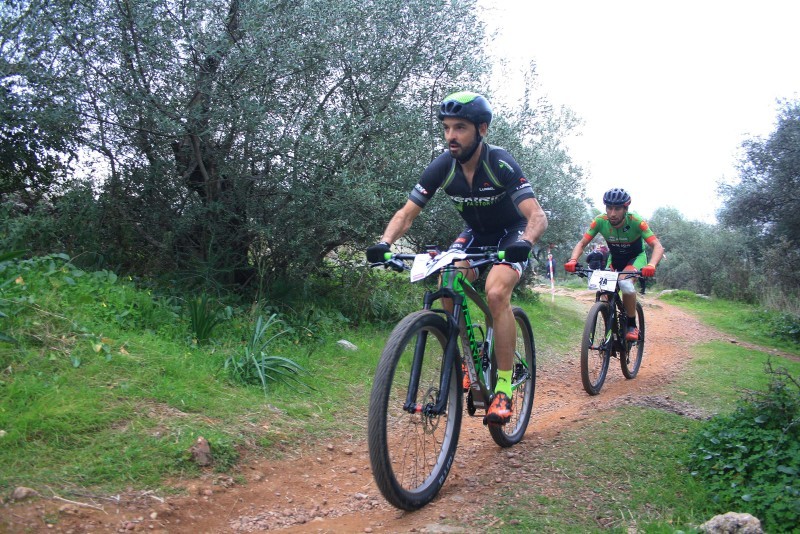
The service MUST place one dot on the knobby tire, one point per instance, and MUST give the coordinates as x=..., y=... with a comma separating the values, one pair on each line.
x=596, y=346
x=411, y=453
x=632, y=359
x=524, y=379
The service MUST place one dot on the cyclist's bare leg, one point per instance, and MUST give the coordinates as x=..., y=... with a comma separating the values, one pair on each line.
x=629, y=299
x=499, y=284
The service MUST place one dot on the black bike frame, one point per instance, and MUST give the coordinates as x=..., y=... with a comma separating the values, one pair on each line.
x=617, y=310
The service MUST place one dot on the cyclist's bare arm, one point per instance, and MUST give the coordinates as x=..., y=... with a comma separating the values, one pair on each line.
x=401, y=222
x=658, y=251
x=537, y=220
x=577, y=252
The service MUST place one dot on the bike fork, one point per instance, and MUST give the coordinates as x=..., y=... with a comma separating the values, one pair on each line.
x=450, y=352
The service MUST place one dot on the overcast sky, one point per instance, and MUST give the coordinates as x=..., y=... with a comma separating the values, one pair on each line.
x=667, y=90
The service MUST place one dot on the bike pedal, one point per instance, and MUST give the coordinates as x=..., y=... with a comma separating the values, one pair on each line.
x=477, y=398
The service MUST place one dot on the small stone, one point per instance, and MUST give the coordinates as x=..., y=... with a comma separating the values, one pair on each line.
x=21, y=492
x=346, y=344
x=201, y=452
x=732, y=522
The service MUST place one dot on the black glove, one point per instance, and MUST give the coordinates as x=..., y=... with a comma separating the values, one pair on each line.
x=375, y=253
x=518, y=251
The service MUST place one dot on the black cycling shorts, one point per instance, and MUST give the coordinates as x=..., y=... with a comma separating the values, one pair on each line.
x=471, y=241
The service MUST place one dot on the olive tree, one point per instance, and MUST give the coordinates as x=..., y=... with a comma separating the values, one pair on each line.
x=245, y=131
x=767, y=194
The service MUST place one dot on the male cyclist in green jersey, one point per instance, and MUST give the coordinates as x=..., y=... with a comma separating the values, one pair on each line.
x=499, y=208
x=625, y=233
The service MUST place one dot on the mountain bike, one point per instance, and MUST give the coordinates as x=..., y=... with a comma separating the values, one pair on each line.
x=604, y=333
x=417, y=398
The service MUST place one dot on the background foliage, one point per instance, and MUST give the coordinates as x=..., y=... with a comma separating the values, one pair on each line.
x=240, y=141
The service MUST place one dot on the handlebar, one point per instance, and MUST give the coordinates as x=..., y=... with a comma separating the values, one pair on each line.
x=395, y=261
x=585, y=272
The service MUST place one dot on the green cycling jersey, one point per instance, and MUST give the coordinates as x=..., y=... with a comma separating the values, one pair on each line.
x=625, y=243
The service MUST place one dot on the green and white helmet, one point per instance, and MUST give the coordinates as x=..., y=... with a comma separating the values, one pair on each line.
x=466, y=105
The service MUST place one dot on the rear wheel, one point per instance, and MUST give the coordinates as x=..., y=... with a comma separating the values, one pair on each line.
x=596, y=348
x=523, y=380
x=411, y=451
x=632, y=359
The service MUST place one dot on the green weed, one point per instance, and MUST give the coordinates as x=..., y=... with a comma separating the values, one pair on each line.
x=254, y=365
x=204, y=317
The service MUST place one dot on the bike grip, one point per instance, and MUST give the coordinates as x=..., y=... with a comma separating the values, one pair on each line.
x=501, y=255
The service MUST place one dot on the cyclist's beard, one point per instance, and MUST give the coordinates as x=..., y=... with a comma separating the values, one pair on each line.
x=465, y=155
x=619, y=222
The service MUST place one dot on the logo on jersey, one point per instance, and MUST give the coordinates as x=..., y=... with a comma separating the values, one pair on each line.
x=462, y=202
x=486, y=187
x=503, y=165
x=523, y=184
x=421, y=189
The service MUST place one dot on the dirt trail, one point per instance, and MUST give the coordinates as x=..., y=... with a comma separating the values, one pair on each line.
x=330, y=488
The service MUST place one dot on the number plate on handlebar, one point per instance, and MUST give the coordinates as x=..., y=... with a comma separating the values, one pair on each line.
x=603, y=280
x=424, y=265
x=419, y=269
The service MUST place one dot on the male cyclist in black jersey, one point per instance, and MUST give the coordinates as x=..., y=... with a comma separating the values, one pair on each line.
x=496, y=201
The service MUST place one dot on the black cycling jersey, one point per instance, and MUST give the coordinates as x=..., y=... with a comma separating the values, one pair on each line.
x=498, y=187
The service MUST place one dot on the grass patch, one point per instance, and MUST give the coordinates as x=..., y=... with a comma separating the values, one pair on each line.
x=108, y=375
x=108, y=387
x=746, y=322
x=557, y=327
x=627, y=470
x=721, y=373
x=621, y=471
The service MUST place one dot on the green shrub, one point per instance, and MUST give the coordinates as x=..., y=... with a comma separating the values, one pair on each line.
x=783, y=325
x=750, y=459
x=5, y=260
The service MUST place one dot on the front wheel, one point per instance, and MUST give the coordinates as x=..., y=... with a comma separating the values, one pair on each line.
x=411, y=451
x=523, y=380
x=632, y=359
x=596, y=348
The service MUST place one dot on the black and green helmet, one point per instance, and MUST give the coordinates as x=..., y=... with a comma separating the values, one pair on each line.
x=466, y=105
